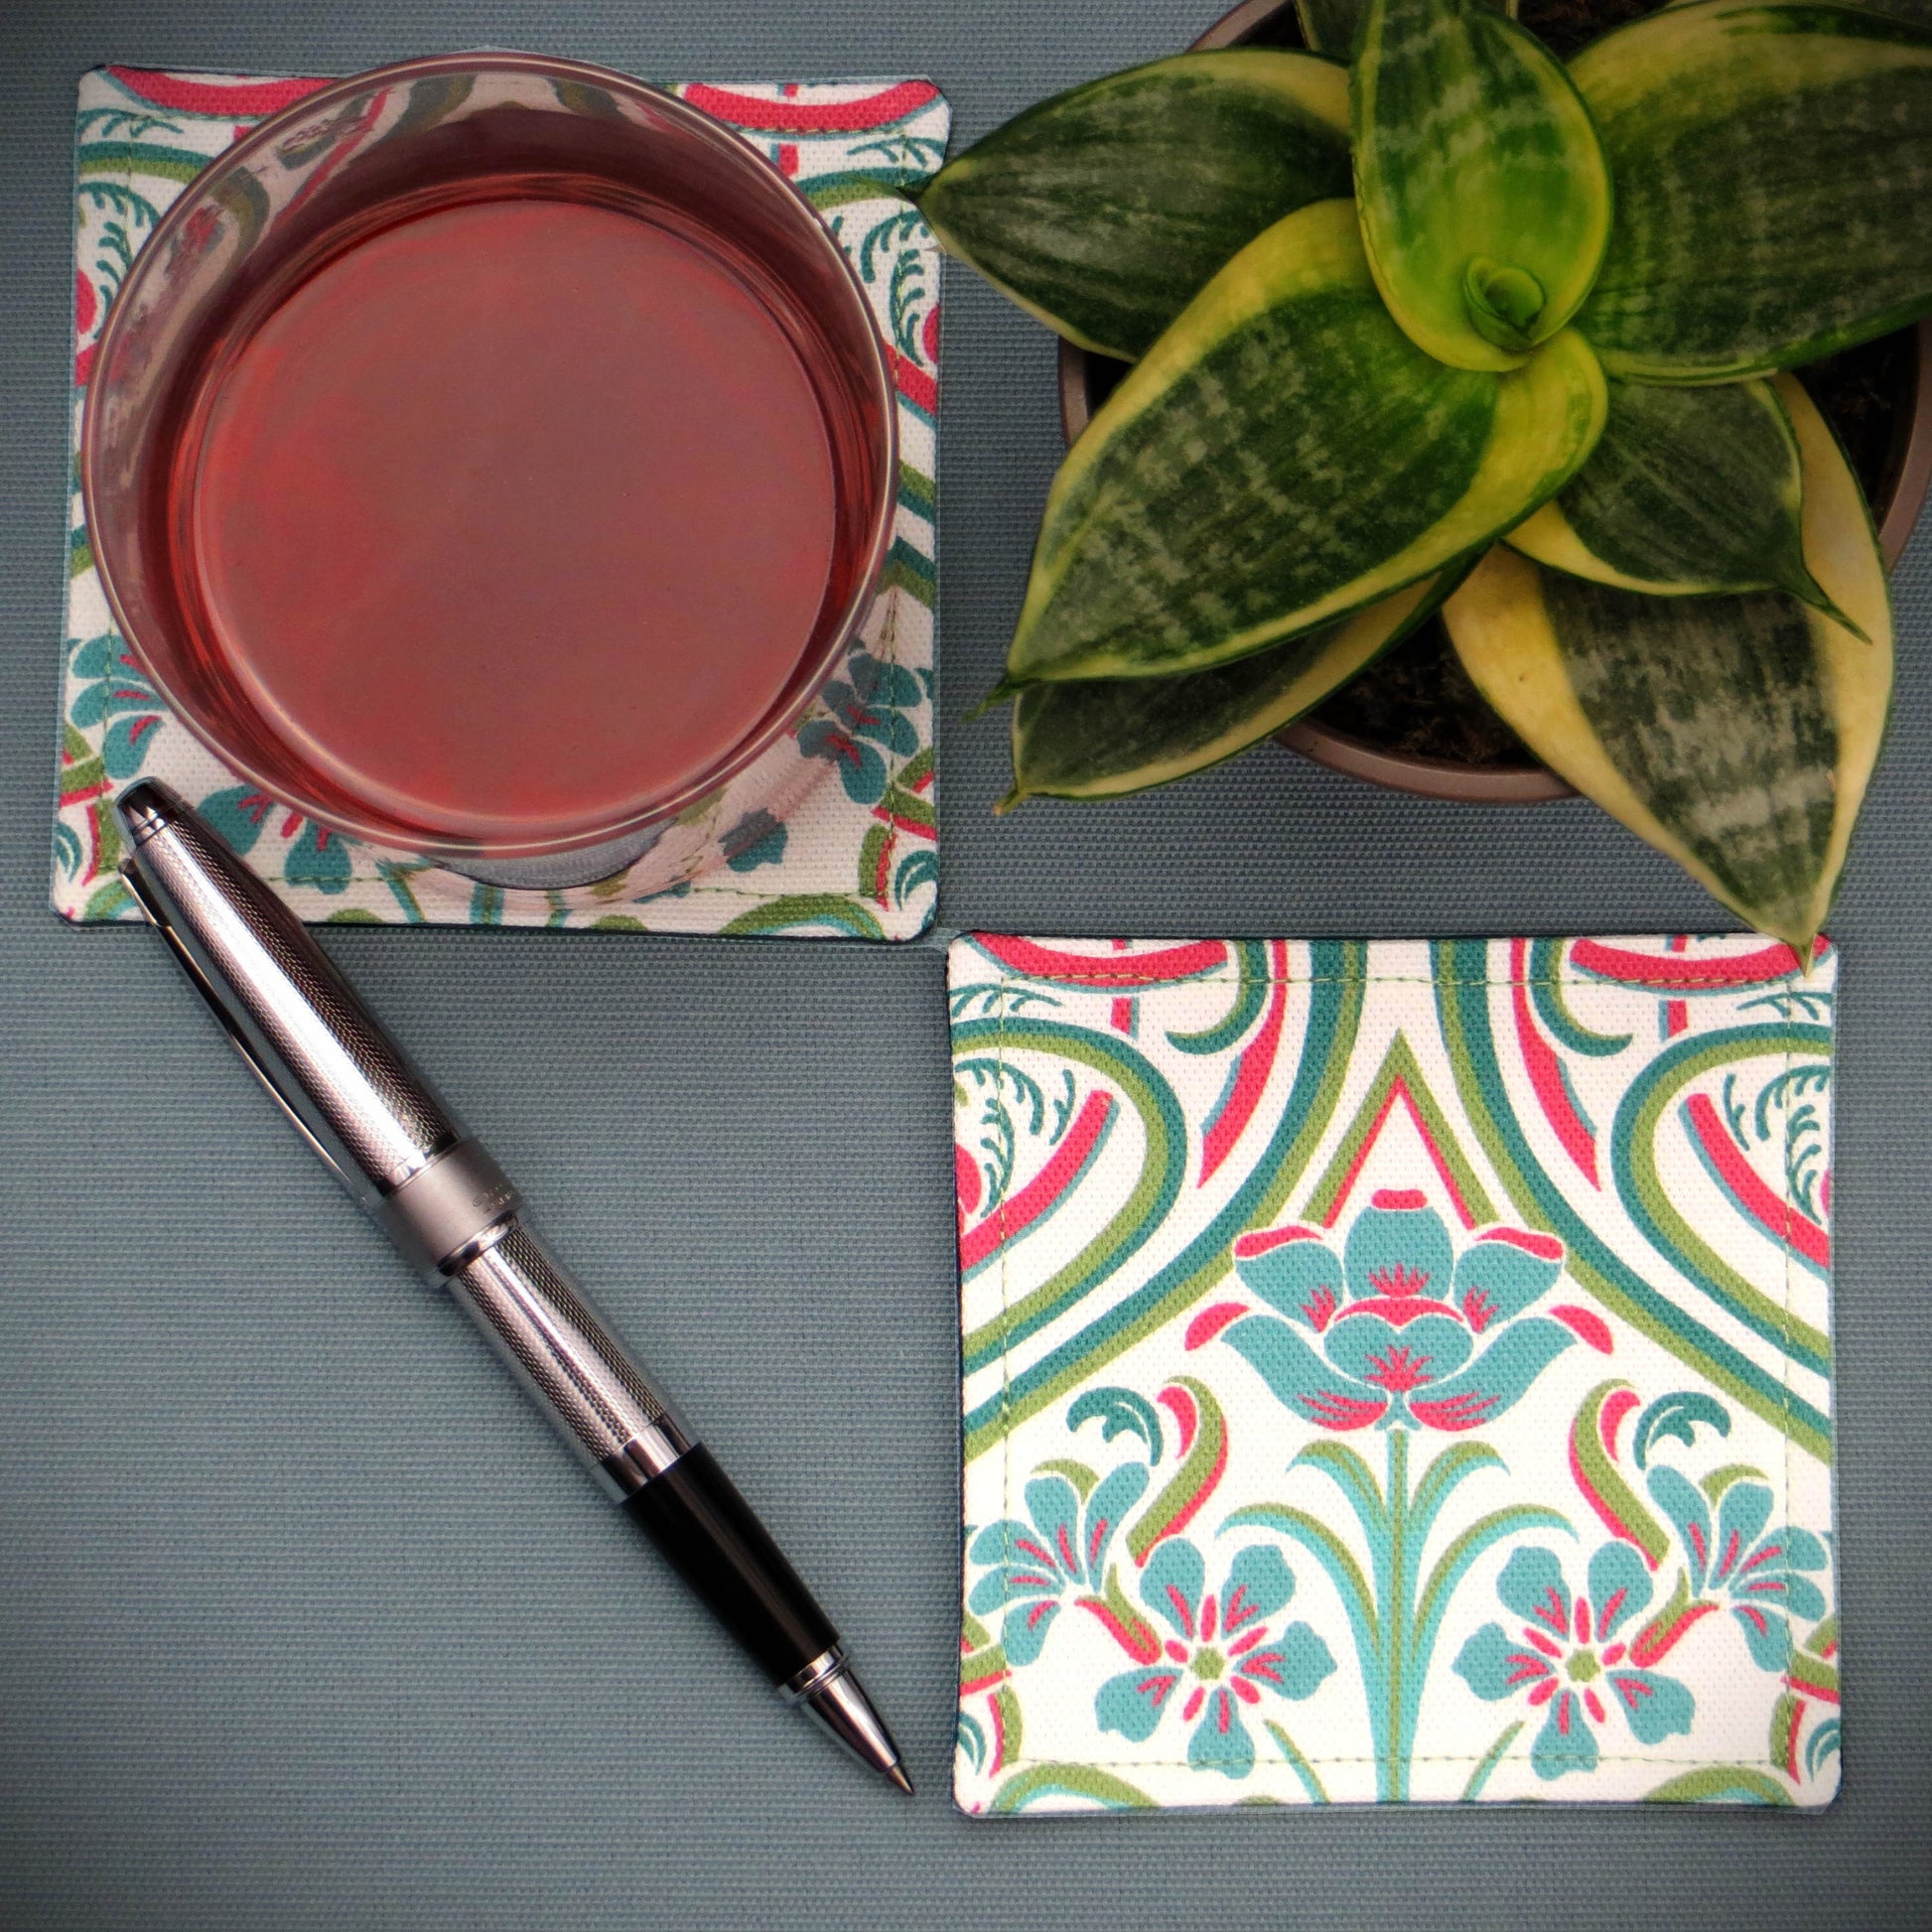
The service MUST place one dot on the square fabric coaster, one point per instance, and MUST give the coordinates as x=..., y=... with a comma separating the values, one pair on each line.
x=855, y=855
x=1394, y=1371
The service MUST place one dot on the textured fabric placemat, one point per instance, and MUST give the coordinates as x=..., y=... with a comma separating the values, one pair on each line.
x=856, y=854
x=1394, y=1371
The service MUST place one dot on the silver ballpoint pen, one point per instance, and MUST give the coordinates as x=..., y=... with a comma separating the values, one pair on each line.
x=453, y=1213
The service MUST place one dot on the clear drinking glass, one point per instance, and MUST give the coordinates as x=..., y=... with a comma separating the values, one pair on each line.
x=340, y=170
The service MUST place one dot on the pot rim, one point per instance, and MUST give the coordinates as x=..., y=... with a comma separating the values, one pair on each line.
x=1449, y=778
x=838, y=636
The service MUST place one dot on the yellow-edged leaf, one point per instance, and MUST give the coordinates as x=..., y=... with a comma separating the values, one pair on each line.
x=1736, y=734
x=1281, y=457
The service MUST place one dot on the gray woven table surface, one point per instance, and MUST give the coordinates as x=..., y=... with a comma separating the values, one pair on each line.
x=305, y=1622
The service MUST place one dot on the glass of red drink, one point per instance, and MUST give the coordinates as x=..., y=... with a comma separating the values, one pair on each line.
x=490, y=455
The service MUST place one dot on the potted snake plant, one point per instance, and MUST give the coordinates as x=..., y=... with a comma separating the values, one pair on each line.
x=1459, y=326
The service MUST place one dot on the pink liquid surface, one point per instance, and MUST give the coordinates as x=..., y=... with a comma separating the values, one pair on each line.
x=515, y=514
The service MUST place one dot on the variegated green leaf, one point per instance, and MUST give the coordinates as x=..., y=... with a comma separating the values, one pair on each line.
x=1689, y=492
x=1918, y=12
x=1104, y=738
x=1331, y=26
x=1281, y=457
x=1773, y=169
x=1103, y=211
x=1736, y=734
x=1484, y=198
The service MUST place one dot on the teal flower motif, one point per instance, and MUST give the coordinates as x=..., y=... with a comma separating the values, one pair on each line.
x=1064, y=1548
x=1759, y=1572
x=1399, y=1330
x=867, y=704
x=757, y=839
x=116, y=688
x=318, y=857
x=1570, y=1659
x=1221, y=1651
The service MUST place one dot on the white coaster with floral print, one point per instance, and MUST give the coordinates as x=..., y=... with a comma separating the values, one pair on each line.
x=1394, y=1371
x=853, y=853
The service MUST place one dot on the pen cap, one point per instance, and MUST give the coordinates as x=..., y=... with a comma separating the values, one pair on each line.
x=299, y=1023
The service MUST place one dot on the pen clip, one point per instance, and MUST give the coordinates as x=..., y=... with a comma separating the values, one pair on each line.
x=155, y=917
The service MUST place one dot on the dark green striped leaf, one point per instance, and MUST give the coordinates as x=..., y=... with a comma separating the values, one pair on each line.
x=1281, y=457
x=1331, y=26
x=1689, y=492
x=1104, y=210
x=1773, y=169
x=1484, y=198
x=1103, y=737
x=1918, y=12
x=1736, y=734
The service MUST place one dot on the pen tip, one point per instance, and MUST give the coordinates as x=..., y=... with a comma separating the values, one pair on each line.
x=840, y=1704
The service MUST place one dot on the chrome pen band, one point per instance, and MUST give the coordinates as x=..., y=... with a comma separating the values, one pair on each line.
x=831, y=1694
x=448, y=1210
x=814, y=1676
x=572, y=1365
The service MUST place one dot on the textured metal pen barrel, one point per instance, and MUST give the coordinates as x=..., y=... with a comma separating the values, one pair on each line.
x=594, y=1393
x=455, y=1216
x=301, y=1027
x=392, y=1142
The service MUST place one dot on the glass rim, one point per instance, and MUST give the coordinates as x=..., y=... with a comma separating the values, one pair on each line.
x=813, y=674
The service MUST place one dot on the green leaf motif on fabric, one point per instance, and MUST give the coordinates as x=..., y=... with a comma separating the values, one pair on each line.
x=1719, y=1784
x=1678, y=1416
x=1185, y=1491
x=1119, y=1412
x=1099, y=1788
x=1594, y=1463
x=802, y=911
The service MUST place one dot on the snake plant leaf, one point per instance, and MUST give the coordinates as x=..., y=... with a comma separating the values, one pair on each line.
x=1918, y=12
x=1736, y=734
x=1330, y=27
x=1773, y=171
x=1283, y=456
x=1689, y=492
x=1104, y=210
x=1484, y=196
x=1103, y=737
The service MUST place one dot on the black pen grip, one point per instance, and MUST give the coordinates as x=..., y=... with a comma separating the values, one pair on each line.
x=696, y=1517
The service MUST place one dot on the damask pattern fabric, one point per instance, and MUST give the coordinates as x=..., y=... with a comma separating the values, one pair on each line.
x=1394, y=1371
x=854, y=854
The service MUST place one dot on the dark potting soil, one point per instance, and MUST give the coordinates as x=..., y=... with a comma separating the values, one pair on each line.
x=1417, y=700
